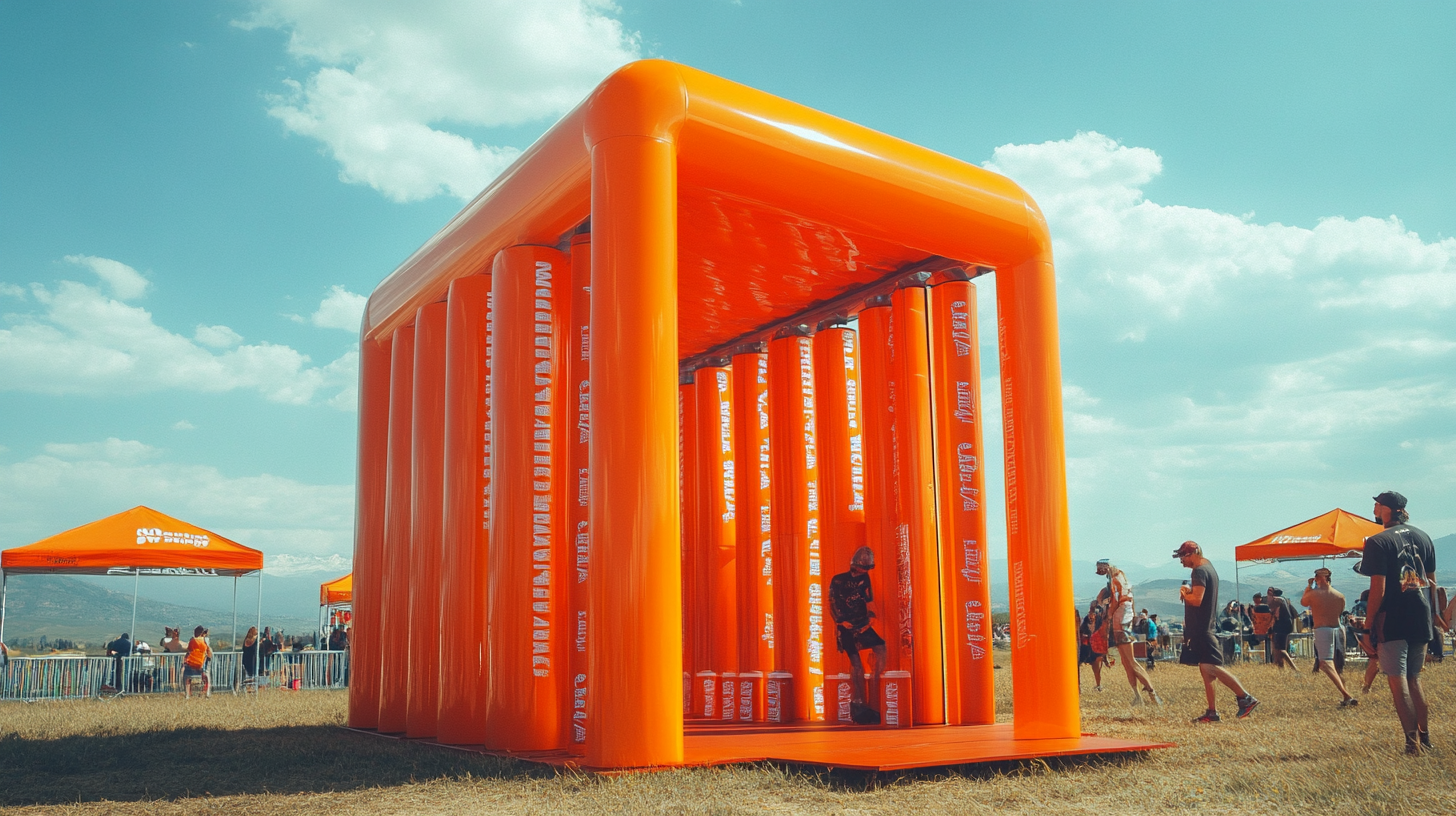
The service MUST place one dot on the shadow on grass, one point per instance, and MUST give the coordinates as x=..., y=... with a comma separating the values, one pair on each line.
x=203, y=761
x=851, y=781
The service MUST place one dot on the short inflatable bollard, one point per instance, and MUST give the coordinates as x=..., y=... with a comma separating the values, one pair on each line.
x=728, y=696
x=705, y=695
x=750, y=697
x=779, y=698
x=687, y=690
x=843, y=691
x=896, y=700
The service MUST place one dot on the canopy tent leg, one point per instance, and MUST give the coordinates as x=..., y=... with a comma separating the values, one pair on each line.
x=1239, y=596
x=4, y=590
x=257, y=660
x=238, y=670
x=135, y=588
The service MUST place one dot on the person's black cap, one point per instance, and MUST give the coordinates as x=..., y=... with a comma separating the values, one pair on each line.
x=1187, y=548
x=1391, y=499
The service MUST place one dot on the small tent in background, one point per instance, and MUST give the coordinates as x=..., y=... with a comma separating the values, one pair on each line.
x=336, y=604
x=1336, y=534
x=140, y=541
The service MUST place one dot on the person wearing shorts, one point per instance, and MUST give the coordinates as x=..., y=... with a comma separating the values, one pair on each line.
x=195, y=664
x=1200, y=645
x=1326, y=604
x=1281, y=630
x=1119, y=631
x=850, y=595
x=1401, y=622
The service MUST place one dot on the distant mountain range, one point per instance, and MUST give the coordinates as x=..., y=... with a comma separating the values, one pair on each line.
x=59, y=606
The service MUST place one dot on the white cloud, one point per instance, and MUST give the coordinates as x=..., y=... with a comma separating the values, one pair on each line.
x=183, y=425
x=82, y=342
x=396, y=84
x=217, y=336
x=340, y=309
x=126, y=283
x=1232, y=377
x=1166, y=258
x=74, y=483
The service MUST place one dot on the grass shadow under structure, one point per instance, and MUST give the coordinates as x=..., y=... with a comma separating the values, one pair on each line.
x=197, y=761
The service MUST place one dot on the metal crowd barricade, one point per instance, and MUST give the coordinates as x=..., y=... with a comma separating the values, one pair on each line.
x=65, y=677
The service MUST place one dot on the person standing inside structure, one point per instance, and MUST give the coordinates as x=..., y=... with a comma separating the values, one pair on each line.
x=1326, y=604
x=1401, y=564
x=1119, y=631
x=1200, y=644
x=850, y=595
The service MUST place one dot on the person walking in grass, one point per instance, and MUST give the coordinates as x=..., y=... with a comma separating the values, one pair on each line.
x=1200, y=645
x=1326, y=604
x=1119, y=631
x=1401, y=564
x=1283, y=627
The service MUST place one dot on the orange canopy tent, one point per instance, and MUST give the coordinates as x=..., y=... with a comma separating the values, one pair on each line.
x=140, y=541
x=337, y=592
x=1336, y=534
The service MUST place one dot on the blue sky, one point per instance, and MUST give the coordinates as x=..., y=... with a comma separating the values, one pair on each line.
x=1253, y=207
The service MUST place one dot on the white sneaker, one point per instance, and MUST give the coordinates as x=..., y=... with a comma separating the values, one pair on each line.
x=1097, y=689
x=1137, y=699
x=1157, y=701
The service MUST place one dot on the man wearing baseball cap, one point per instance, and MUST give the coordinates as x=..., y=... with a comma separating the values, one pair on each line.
x=1200, y=645
x=1401, y=564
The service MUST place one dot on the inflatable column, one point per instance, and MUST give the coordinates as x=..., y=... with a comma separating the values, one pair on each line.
x=1038, y=539
x=694, y=633
x=427, y=448
x=394, y=588
x=799, y=603
x=467, y=513
x=716, y=517
x=528, y=554
x=755, y=540
x=956, y=374
x=635, y=715
x=841, y=465
x=914, y=441
x=578, y=516
x=891, y=578
x=373, y=480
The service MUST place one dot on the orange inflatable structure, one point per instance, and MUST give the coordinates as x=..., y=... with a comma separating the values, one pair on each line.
x=624, y=418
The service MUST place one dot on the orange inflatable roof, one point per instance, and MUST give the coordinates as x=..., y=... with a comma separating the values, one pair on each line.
x=1333, y=535
x=139, y=539
x=337, y=591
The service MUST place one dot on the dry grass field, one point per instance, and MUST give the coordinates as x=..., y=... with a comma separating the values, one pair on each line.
x=283, y=753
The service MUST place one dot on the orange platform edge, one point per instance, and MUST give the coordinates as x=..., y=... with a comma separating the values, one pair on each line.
x=854, y=748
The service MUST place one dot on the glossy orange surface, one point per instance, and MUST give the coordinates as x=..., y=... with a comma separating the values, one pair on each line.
x=910, y=354
x=719, y=536
x=694, y=592
x=394, y=634
x=427, y=474
x=841, y=472
x=119, y=541
x=464, y=560
x=801, y=616
x=961, y=485
x=578, y=488
x=753, y=510
x=781, y=208
x=891, y=580
x=371, y=480
x=635, y=687
x=1334, y=534
x=531, y=293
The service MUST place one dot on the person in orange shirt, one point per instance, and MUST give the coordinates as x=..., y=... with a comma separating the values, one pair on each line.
x=195, y=664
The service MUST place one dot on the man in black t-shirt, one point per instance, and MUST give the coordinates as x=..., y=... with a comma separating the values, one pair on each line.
x=1200, y=645
x=1281, y=628
x=849, y=597
x=1401, y=564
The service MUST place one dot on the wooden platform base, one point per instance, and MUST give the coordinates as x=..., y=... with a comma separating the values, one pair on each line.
x=854, y=747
